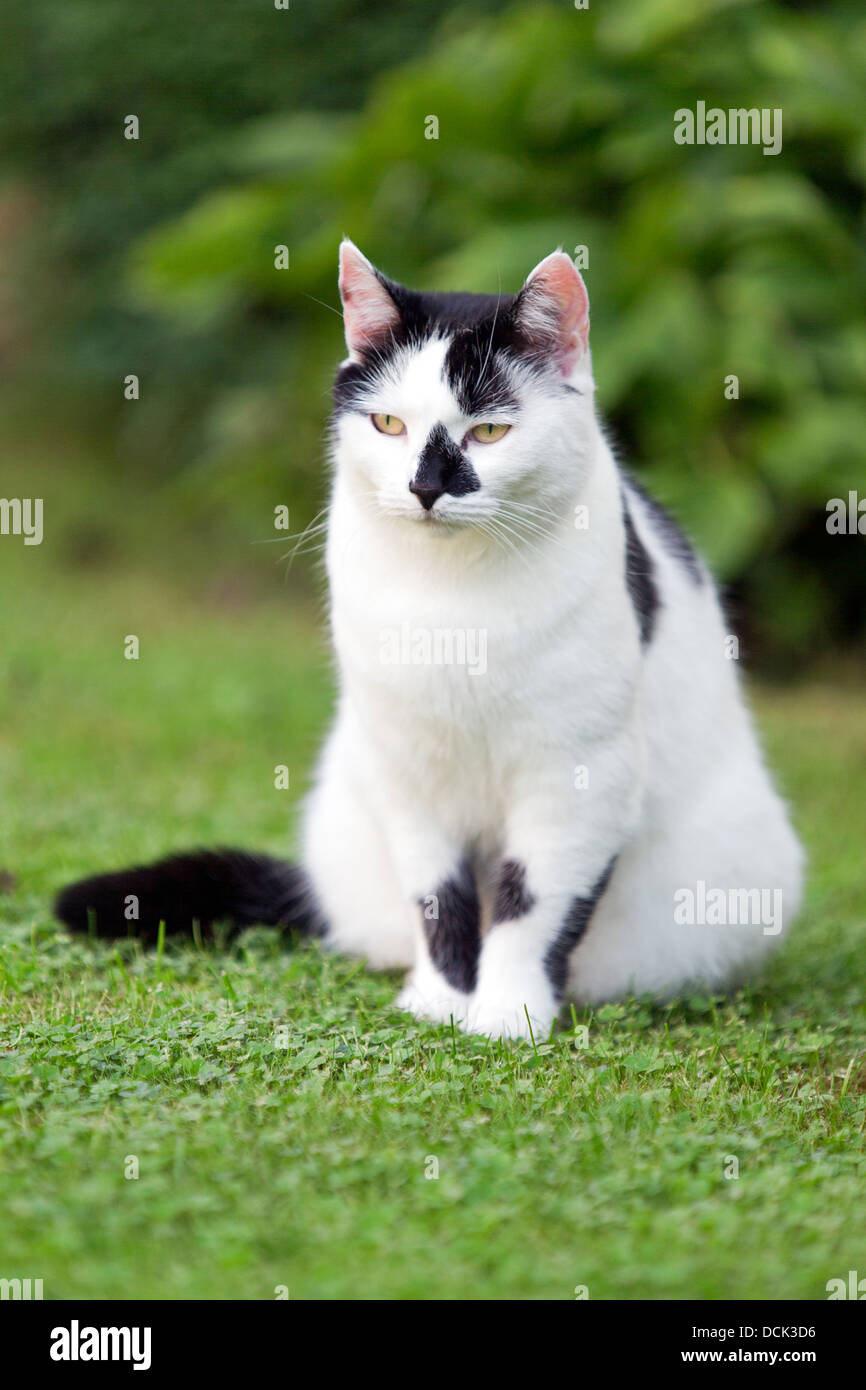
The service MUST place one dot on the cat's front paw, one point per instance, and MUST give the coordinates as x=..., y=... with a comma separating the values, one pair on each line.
x=435, y=1005
x=509, y=1021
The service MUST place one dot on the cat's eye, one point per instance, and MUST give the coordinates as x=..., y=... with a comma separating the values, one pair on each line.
x=488, y=434
x=388, y=424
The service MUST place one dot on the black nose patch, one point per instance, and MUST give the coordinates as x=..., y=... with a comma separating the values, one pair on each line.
x=442, y=467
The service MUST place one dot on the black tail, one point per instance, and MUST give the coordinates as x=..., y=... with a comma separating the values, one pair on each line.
x=206, y=886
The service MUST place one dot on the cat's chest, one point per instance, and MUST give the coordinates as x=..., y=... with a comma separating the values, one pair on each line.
x=416, y=639
x=468, y=667
x=472, y=673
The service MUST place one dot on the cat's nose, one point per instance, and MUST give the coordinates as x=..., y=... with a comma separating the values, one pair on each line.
x=426, y=495
x=442, y=468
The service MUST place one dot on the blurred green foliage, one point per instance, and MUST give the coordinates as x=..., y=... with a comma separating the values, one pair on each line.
x=555, y=128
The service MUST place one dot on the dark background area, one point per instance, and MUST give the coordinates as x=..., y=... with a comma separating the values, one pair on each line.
x=261, y=127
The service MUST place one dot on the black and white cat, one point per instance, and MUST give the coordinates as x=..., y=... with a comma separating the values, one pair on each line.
x=542, y=782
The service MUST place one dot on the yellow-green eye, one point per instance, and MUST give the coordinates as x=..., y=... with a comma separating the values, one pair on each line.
x=488, y=434
x=388, y=424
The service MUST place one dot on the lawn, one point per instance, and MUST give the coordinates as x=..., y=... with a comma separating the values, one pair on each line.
x=284, y=1122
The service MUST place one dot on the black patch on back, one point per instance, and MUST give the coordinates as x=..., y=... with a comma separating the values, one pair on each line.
x=513, y=898
x=675, y=541
x=454, y=937
x=576, y=922
x=206, y=886
x=639, y=576
x=443, y=466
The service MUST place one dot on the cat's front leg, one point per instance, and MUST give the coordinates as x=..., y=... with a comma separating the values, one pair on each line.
x=524, y=957
x=560, y=846
x=447, y=935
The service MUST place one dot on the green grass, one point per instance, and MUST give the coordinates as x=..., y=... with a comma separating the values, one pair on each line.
x=303, y=1165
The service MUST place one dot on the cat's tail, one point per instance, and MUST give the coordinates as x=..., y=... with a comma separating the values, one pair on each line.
x=206, y=886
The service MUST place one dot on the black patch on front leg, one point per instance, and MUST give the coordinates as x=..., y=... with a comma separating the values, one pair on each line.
x=454, y=935
x=513, y=898
x=576, y=922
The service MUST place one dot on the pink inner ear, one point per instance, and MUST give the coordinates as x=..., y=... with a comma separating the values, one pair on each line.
x=369, y=312
x=557, y=308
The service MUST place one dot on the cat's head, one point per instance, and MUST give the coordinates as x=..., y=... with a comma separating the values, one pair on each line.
x=463, y=408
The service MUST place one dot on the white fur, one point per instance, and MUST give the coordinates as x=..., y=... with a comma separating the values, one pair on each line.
x=427, y=760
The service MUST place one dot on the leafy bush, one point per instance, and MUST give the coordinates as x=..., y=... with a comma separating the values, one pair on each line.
x=556, y=128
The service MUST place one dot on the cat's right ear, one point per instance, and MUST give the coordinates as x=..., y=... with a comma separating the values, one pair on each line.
x=370, y=315
x=552, y=311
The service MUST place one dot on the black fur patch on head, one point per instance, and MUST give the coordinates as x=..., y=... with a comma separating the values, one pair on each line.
x=513, y=898
x=674, y=539
x=474, y=366
x=639, y=576
x=454, y=935
x=576, y=922
x=480, y=326
x=443, y=467
x=206, y=886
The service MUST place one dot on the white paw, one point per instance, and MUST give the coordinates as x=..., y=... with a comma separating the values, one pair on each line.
x=514, y=1021
x=438, y=1004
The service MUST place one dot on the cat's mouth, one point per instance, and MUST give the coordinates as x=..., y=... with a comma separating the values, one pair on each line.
x=437, y=517
x=440, y=523
x=445, y=516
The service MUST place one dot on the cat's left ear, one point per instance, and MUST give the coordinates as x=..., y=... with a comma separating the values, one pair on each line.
x=552, y=311
x=370, y=315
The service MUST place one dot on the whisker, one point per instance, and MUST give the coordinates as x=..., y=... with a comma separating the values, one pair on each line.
x=323, y=304
x=481, y=374
x=308, y=540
